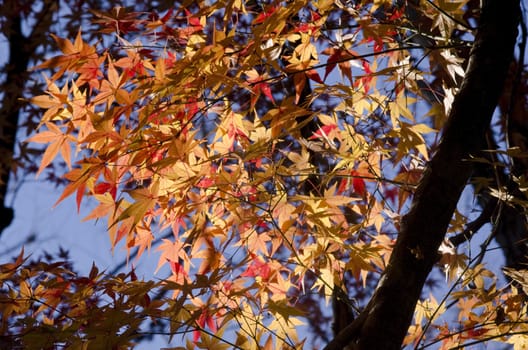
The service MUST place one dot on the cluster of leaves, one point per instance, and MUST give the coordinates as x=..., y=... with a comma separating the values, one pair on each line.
x=193, y=123
x=32, y=22
x=45, y=304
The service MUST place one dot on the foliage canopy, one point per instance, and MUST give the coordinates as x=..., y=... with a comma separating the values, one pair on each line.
x=270, y=152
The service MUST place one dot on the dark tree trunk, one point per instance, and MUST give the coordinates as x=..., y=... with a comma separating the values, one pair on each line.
x=11, y=105
x=384, y=322
x=21, y=51
x=512, y=224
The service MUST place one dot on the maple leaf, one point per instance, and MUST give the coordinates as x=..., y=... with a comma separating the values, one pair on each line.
x=518, y=275
x=142, y=240
x=105, y=187
x=172, y=252
x=212, y=259
x=204, y=320
x=324, y=131
x=299, y=82
x=145, y=201
x=337, y=56
x=312, y=74
x=258, y=86
x=58, y=140
x=258, y=268
x=118, y=20
x=268, y=12
x=454, y=264
x=358, y=184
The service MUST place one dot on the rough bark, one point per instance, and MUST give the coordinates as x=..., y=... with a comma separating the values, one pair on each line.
x=384, y=322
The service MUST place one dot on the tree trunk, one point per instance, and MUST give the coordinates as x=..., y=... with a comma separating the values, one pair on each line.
x=21, y=51
x=16, y=77
x=384, y=322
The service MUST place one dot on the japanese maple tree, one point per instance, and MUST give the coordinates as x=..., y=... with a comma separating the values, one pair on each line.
x=271, y=151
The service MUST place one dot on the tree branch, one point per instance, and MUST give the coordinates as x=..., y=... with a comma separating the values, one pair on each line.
x=384, y=322
x=475, y=225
